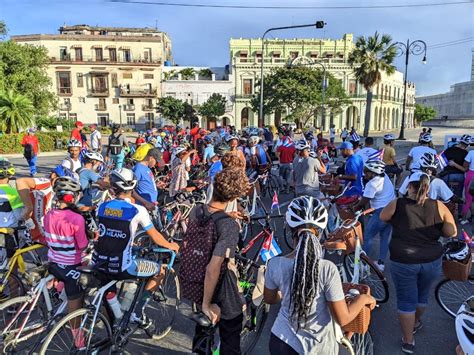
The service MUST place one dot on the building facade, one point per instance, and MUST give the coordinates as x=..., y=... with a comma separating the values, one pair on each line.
x=106, y=74
x=386, y=111
x=195, y=85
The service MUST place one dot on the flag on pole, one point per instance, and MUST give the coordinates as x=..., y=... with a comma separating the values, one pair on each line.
x=355, y=137
x=275, y=203
x=442, y=160
x=376, y=155
x=270, y=249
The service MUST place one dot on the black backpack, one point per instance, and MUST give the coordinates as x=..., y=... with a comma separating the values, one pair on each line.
x=28, y=152
x=115, y=145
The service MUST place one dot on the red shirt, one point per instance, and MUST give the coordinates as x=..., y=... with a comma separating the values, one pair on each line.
x=76, y=134
x=33, y=140
x=287, y=154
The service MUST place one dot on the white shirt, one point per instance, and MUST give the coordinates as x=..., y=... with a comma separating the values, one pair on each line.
x=417, y=152
x=332, y=133
x=76, y=164
x=95, y=139
x=470, y=159
x=380, y=191
x=438, y=190
x=366, y=152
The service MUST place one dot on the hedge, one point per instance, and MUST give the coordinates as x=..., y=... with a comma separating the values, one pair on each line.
x=10, y=143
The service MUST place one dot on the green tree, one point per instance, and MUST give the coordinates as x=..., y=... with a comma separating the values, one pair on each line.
x=171, y=108
x=23, y=70
x=299, y=90
x=168, y=75
x=213, y=107
x=424, y=113
x=16, y=112
x=3, y=29
x=187, y=73
x=205, y=73
x=370, y=57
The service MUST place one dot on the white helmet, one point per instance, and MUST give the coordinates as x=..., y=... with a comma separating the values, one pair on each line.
x=313, y=154
x=230, y=137
x=375, y=165
x=74, y=143
x=123, y=179
x=466, y=139
x=302, y=144
x=94, y=156
x=456, y=250
x=179, y=149
x=307, y=211
x=426, y=138
x=254, y=139
x=429, y=160
x=389, y=137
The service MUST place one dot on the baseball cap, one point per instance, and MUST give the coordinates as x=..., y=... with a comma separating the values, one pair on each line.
x=93, y=125
x=79, y=124
x=416, y=176
x=155, y=153
x=346, y=145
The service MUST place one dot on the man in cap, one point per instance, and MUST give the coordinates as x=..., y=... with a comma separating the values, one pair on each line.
x=30, y=145
x=353, y=170
x=76, y=133
x=146, y=192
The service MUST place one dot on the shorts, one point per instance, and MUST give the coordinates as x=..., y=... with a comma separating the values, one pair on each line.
x=70, y=276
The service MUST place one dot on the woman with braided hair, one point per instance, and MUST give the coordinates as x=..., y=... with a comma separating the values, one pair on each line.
x=308, y=287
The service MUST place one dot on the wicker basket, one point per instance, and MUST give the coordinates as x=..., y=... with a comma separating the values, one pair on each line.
x=331, y=190
x=360, y=324
x=457, y=271
x=348, y=236
x=345, y=212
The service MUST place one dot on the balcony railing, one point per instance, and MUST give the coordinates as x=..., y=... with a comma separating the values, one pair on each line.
x=129, y=107
x=124, y=92
x=64, y=91
x=147, y=108
x=271, y=60
x=105, y=59
x=100, y=107
x=99, y=92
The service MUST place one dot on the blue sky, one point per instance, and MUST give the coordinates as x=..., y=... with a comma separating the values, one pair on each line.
x=201, y=36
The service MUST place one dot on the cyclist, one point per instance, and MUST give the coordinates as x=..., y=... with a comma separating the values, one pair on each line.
x=88, y=175
x=389, y=154
x=208, y=151
x=368, y=151
x=117, y=142
x=179, y=174
x=119, y=220
x=306, y=170
x=146, y=191
x=308, y=287
x=73, y=161
x=259, y=157
x=286, y=154
x=66, y=239
x=233, y=142
x=353, y=170
x=415, y=154
x=379, y=192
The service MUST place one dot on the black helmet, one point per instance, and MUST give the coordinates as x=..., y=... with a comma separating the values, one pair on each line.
x=221, y=149
x=6, y=169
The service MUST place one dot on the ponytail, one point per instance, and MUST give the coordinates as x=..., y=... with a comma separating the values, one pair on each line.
x=422, y=187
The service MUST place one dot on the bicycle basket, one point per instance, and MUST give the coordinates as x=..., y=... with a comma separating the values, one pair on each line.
x=360, y=324
x=331, y=190
x=458, y=270
x=348, y=236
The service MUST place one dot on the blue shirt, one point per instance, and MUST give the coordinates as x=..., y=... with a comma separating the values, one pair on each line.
x=146, y=186
x=214, y=169
x=208, y=152
x=355, y=166
x=87, y=177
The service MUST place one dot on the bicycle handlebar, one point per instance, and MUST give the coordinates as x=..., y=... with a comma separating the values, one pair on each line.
x=267, y=217
x=246, y=260
x=358, y=214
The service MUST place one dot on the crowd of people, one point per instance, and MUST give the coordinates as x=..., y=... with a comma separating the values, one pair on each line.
x=308, y=287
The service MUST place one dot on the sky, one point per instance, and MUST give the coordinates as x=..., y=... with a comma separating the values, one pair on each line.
x=200, y=36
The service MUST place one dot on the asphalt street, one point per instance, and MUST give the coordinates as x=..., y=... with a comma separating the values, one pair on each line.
x=436, y=338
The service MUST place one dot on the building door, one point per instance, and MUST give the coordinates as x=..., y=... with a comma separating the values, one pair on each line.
x=244, y=118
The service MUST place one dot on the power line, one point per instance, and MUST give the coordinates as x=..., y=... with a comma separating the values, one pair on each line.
x=451, y=43
x=263, y=7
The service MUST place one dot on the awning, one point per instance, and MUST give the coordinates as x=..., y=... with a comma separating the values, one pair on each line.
x=244, y=52
x=258, y=52
x=110, y=47
x=96, y=46
x=76, y=46
x=124, y=48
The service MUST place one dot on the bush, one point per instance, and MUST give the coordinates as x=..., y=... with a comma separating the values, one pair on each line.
x=10, y=143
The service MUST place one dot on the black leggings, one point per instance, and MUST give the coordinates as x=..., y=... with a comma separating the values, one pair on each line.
x=279, y=347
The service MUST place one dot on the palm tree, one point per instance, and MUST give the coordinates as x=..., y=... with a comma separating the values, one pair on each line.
x=16, y=112
x=370, y=57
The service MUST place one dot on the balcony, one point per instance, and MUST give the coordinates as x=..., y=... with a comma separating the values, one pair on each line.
x=99, y=92
x=100, y=107
x=64, y=91
x=120, y=59
x=126, y=92
x=129, y=107
x=280, y=61
x=147, y=108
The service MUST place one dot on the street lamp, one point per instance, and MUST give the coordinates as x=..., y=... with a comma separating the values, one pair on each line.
x=67, y=103
x=120, y=115
x=318, y=24
x=416, y=48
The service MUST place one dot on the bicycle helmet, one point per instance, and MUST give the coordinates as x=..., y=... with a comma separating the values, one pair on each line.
x=307, y=211
x=376, y=166
x=74, y=143
x=6, y=169
x=313, y=154
x=309, y=135
x=254, y=139
x=426, y=138
x=221, y=149
x=466, y=139
x=123, y=179
x=389, y=137
x=456, y=250
x=66, y=185
x=301, y=145
x=230, y=137
x=429, y=160
x=179, y=149
x=94, y=156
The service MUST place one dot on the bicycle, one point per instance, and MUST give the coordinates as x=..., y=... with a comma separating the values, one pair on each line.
x=451, y=294
x=102, y=331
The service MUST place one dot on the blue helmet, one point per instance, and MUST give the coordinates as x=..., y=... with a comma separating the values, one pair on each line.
x=61, y=171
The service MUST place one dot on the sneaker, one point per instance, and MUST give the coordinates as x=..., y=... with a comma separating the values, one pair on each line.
x=381, y=265
x=408, y=348
x=143, y=322
x=417, y=327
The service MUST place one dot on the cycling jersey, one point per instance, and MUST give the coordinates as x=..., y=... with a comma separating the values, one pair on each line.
x=118, y=222
x=41, y=196
x=10, y=206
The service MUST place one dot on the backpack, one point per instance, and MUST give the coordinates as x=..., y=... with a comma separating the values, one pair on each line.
x=115, y=145
x=28, y=152
x=196, y=252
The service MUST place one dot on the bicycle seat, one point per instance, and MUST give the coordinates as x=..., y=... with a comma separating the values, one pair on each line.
x=337, y=244
x=202, y=320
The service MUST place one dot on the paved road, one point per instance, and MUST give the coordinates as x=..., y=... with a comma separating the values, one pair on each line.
x=436, y=338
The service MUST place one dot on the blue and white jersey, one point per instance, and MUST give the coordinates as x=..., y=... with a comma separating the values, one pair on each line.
x=118, y=223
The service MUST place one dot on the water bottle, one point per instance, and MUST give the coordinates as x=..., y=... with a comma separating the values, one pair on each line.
x=128, y=297
x=114, y=304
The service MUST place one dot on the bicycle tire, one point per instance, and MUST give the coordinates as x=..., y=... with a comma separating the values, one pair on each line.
x=63, y=325
x=247, y=344
x=362, y=344
x=347, y=345
x=288, y=237
x=370, y=276
x=19, y=288
x=457, y=292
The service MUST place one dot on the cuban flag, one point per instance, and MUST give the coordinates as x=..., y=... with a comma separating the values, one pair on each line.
x=275, y=203
x=288, y=142
x=355, y=137
x=376, y=155
x=270, y=249
x=442, y=160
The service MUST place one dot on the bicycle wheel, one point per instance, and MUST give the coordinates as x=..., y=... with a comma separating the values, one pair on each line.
x=143, y=240
x=370, y=275
x=362, y=344
x=451, y=294
x=346, y=348
x=288, y=237
x=61, y=340
x=254, y=321
x=14, y=287
x=163, y=305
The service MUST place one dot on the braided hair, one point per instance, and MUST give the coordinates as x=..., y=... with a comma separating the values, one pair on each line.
x=304, y=282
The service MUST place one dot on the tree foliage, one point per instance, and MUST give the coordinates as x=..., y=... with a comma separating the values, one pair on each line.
x=213, y=107
x=23, y=70
x=3, y=29
x=171, y=108
x=370, y=57
x=424, y=113
x=187, y=73
x=16, y=112
x=205, y=73
x=299, y=90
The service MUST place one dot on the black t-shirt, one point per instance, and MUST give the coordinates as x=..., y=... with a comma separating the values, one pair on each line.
x=416, y=231
x=457, y=155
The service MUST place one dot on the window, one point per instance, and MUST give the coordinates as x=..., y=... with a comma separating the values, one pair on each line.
x=80, y=80
x=276, y=55
x=98, y=55
x=78, y=54
x=127, y=56
x=112, y=54
x=102, y=104
x=243, y=57
x=64, y=82
x=149, y=103
x=127, y=75
x=99, y=83
x=352, y=87
x=129, y=101
x=63, y=53
x=247, y=87
x=73, y=117
x=82, y=100
x=114, y=79
x=150, y=119
x=314, y=55
x=172, y=94
x=147, y=55
x=103, y=119
x=147, y=76
x=293, y=55
x=115, y=101
x=258, y=55
x=130, y=119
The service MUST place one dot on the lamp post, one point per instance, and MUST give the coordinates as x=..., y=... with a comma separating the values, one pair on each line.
x=416, y=48
x=120, y=115
x=68, y=110
x=318, y=24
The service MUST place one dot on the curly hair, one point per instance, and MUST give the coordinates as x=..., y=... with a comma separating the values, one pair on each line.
x=229, y=184
x=232, y=161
